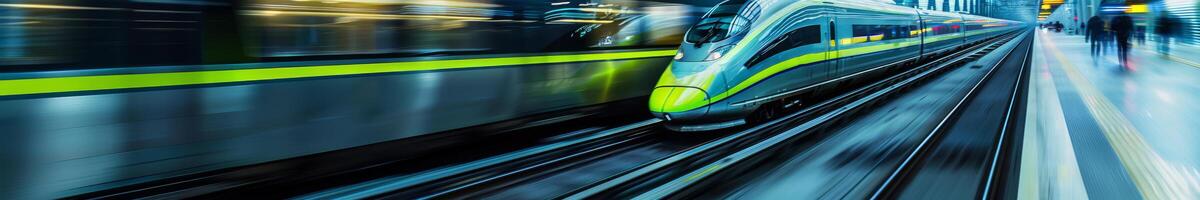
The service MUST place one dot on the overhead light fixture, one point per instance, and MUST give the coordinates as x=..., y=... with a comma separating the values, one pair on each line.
x=1138, y=8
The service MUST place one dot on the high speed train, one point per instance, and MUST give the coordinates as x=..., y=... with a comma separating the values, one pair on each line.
x=747, y=59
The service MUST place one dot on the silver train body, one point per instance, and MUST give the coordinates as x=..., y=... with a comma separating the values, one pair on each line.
x=746, y=58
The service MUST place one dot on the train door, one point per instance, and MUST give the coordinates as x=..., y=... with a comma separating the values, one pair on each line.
x=921, y=34
x=961, y=27
x=831, y=53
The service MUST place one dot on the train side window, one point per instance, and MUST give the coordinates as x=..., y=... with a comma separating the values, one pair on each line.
x=973, y=27
x=862, y=33
x=889, y=32
x=796, y=38
x=941, y=29
x=875, y=33
x=892, y=32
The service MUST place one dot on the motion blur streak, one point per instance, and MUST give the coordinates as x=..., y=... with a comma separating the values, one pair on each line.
x=46, y=6
x=131, y=81
x=52, y=35
x=98, y=95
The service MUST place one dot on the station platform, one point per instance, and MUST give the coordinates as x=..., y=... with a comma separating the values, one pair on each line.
x=1095, y=129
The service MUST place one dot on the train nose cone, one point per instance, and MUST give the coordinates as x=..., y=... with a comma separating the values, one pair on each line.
x=675, y=103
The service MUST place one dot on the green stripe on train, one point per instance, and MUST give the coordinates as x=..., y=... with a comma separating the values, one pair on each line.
x=150, y=80
x=706, y=77
x=710, y=74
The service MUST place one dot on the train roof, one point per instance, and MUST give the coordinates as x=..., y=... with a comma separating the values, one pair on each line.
x=769, y=7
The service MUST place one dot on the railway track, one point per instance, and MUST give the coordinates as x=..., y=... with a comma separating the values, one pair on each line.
x=995, y=158
x=660, y=177
x=683, y=168
x=675, y=177
x=508, y=167
x=291, y=177
x=1006, y=132
x=887, y=189
x=476, y=179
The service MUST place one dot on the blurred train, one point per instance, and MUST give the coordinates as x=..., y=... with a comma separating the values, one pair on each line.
x=55, y=35
x=747, y=59
x=151, y=133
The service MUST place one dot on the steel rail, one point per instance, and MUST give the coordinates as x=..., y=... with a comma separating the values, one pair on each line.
x=386, y=185
x=1008, y=118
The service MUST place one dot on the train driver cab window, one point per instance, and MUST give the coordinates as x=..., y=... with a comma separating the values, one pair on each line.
x=807, y=35
x=728, y=19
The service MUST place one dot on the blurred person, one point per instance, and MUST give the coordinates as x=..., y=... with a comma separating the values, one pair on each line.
x=1087, y=35
x=1095, y=32
x=1164, y=28
x=1141, y=35
x=1106, y=38
x=1122, y=28
x=1079, y=30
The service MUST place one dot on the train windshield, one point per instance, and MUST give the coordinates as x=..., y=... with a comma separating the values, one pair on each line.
x=725, y=20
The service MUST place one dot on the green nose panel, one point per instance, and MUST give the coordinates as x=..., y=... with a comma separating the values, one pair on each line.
x=677, y=99
x=659, y=97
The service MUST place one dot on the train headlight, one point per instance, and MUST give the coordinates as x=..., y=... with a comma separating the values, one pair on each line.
x=718, y=53
x=679, y=56
x=713, y=56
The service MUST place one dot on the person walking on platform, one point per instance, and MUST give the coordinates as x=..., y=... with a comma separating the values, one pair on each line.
x=1079, y=30
x=1122, y=27
x=1106, y=38
x=1141, y=35
x=1095, y=30
x=1164, y=28
x=1087, y=35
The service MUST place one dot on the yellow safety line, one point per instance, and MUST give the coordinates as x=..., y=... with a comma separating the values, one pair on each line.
x=1172, y=57
x=1183, y=60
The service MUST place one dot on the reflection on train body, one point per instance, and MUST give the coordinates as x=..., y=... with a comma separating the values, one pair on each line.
x=67, y=144
x=55, y=34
